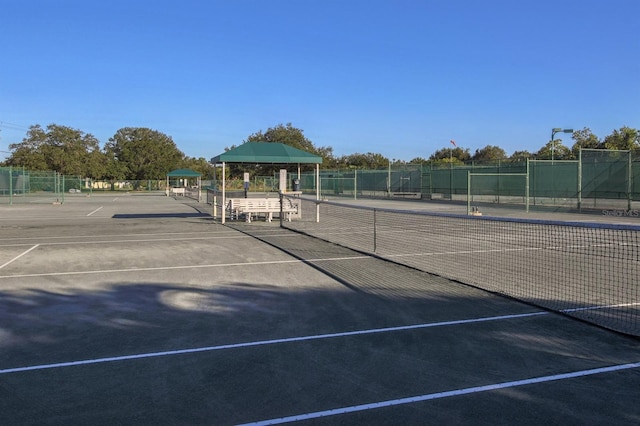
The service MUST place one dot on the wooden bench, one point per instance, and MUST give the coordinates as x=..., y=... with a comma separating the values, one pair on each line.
x=255, y=206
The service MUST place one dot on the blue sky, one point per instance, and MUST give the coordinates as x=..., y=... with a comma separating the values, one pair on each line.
x=395, y=77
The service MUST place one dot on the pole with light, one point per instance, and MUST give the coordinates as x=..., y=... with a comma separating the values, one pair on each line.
x=553, y=134
x=451, y=169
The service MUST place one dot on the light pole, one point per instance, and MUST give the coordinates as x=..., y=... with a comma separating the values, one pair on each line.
x=451, y=169
x=553, y=133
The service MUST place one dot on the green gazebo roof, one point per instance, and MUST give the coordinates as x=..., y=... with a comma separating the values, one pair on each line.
x=267, y=152
x=183, y=173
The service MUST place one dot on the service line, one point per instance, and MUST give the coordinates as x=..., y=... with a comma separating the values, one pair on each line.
x=269, y=342
x=19, y=256
x=96, y=210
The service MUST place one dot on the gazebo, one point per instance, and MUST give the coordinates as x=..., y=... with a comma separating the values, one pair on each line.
x=183, y=190
x=266, y=153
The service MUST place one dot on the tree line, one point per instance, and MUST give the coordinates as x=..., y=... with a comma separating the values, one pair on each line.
x=132, y=153
x=137, y=153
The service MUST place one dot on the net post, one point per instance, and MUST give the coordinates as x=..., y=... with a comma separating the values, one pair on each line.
x=629, y=180
x=526, y=189
x=580, y=180
x=375, y=236
x=468, y=192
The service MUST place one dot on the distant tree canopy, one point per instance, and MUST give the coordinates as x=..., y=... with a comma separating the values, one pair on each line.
x=133, y=153
x=141, y=153
x=63, y=149
x=292, y=136
x=451, y=155
x=489, y=152
x=369, y=160
x=147, y=154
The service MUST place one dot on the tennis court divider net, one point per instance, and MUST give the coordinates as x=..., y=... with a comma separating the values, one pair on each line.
x=589, y=271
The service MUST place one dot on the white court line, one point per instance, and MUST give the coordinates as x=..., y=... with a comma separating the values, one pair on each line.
x=267, y=342
x=185, y=234
x=159, y=268
x=96, y=210
x=446, y=394
x=216, y=236
x=19, y=256
x=177, y=267
x=591, y=308
x=148, y=240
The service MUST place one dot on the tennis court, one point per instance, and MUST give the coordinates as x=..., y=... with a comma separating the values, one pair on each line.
x=141, y=309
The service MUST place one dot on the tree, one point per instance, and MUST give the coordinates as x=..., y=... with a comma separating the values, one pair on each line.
x=199, y=165
x=369, y=160
x=584, y=139
x=292, y=136
x=29, y=153
x=447, y=155
x=418, y=160
x=59, y=148
x=144, y=153
x=624, y=139
x=489, y=153
x=522, y=156
x=554, y=150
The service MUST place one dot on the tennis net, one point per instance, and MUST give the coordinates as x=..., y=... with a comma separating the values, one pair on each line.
x=586, y=270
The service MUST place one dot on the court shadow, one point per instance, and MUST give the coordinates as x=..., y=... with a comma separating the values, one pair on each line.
x=167, y=353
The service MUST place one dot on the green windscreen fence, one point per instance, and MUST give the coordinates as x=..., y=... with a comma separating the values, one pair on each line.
x=17, y=183
x=597, y=179
x=607, y=175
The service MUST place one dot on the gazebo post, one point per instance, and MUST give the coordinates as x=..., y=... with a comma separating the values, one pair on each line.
x=317, y=192
x=199, y=189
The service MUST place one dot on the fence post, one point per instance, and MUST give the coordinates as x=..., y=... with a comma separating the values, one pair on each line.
x=10, y=185
x=355, y=184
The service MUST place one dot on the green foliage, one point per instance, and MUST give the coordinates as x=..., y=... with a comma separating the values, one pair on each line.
x=135, y=153
x=418, y=160
x=554, y=150
x=489, y=152
x=147, y=154
x=369, y=160
x=199, y=165
x=448, y=155
x=584, y=139
x=60, y=148
x=292, y=136
x=521, y=156
x=624, y=139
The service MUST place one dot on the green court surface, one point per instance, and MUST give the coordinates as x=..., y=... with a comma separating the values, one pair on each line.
x=142, y=309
